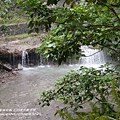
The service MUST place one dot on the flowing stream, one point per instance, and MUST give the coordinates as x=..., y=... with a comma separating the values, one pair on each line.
x=20, y=95
x=24, y=90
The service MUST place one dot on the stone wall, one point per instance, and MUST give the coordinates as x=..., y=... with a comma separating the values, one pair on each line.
x=14, y=29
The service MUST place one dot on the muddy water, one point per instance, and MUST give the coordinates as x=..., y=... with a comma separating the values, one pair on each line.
x=19, y=97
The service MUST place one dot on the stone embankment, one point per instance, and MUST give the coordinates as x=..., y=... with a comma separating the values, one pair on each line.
x=15, y=29
x=11, y=50
x=11, y=55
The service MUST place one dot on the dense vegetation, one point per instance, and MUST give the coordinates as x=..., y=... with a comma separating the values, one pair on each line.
x=10, y=12
x=93, y=23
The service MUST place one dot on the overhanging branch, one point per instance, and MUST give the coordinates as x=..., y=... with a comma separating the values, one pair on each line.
x=100, y=25
x=110, y=8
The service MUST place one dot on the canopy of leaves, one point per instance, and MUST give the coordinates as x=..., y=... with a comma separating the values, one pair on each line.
x=95, y=22
x=4, y=7
x=86, y=84
x=76, y=23
x=9, y=12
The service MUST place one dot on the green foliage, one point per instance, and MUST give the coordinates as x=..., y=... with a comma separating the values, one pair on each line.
x=95, y=22
x=5, y=7
x=83, y=25
x=39, y=13
x=82, y=116
x=10, y=12
x=85, y=85
x=85, y=22
x=94, y=115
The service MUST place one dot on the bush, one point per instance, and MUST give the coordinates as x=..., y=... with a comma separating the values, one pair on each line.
x=98, y=87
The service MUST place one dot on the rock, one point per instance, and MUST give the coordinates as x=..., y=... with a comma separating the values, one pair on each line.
x=17, y=52
x=16, y=69
x=6, y=67
x=14, y=72
x=3, y=81
x=20, y=67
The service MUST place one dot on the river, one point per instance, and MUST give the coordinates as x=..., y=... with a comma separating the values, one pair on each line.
x=20, y=95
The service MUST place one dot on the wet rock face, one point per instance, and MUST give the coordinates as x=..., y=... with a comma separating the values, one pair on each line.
x=7, y=56
x=15, y=58
x=4, y=50
x=11, y=51
x=15, y=29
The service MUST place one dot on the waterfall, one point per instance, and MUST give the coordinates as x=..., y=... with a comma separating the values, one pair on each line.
x=70, y=62
x=25, y=58
x=92, y=57
x=48, y=64
x=41, y=60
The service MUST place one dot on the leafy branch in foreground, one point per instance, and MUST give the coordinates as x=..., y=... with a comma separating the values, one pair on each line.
x=87, y=85
x=94, y=23
x=83, y=25
x=91, y=22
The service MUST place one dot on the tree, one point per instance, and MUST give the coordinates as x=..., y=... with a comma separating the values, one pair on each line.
x=76, y=23
x=95, y=23
x=4, y=9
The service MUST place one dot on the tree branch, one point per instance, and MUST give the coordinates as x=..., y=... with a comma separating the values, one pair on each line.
x=100, y=25
x=106, y=104
x=110, y=8
x=93, y=54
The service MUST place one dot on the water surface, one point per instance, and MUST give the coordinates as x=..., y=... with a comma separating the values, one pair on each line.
x=23, y=91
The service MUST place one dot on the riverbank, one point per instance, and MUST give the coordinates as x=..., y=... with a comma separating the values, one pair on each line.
x=15, y=45
x=6, y=76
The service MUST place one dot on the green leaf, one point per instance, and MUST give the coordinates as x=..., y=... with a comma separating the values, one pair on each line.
x=37, y=30
x=68, y=2
x=18, y=1
x=31, y=24
x=30, y=31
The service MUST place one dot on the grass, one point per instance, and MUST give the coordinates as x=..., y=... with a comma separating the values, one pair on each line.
x=14, y=17
x=20, y=36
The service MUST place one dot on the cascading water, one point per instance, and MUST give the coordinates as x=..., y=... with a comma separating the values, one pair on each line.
x=93, y=57
x=25, y=58
x=41, y=60
x=48, y=64
x=34, y=80
x=70, y=62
